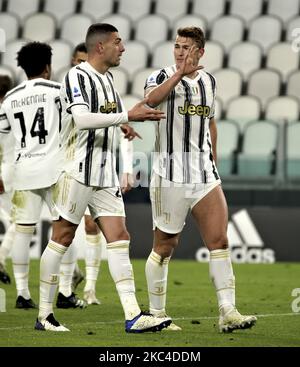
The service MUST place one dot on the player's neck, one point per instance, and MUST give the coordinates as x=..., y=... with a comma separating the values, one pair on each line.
x=98, y=66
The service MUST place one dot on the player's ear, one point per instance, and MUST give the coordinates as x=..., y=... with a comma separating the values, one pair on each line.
x=201, y=52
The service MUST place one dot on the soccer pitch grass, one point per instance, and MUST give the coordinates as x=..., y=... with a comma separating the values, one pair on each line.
x=263, y=290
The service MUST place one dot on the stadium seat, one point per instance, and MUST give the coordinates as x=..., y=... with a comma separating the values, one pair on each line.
x=265, y=30
x=139, y=81
x=44, y=23
x=259, y=148
x=282, y=58
x=245, y=57
x=121, y=22
x=59, y=75
x=74, y=28
x=284, y=10
x=23, y=8
x=210, y=10
x=171, y=9
x=134, y=9
x=60, y=9
x=120, y=80
x=293, y=85
x=10, y=24
x=218, y=108
x=292, y=30
x=227, y=30
x=282, y=109
x=130, y=100
x=213, y=56
x=246, y=9
x=293, y=151
x=61, y=54
x=187, y=21
x=243, y=109
x=229, y=84
x=152, y=30
x=227, y=145
x=135, y=57
x=264, y=84
x=96, y=8
x=10, y=54
x=163, y=55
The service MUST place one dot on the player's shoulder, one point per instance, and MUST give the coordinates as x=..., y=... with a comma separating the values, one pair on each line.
x=160, y=75
x=47, y=84
x=13, y=92
x=205, y=75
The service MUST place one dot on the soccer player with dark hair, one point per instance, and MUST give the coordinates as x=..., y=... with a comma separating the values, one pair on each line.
x=92, y=109
x=32, y=112
x=6, y=186
x=185, y=176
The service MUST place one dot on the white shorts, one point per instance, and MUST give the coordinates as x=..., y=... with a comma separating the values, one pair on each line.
x=27, y=205
x=73, y=197
x=171, y=201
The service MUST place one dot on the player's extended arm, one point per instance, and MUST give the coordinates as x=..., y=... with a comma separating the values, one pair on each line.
x=84, y=119
x=213, y=135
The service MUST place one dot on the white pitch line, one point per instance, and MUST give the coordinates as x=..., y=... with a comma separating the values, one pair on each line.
x=175, y=318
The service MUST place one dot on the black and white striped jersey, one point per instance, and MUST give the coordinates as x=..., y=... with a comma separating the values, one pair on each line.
x=90, y=154
x=183, y=150
x=32, y=113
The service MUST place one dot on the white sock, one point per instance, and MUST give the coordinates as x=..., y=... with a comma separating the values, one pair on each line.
x=221, y=273
x=49, y=269
x=121, y=271
x=92, y=261
x=20, y=258
x=7, y=242
x=157, y=277
x=67, y=267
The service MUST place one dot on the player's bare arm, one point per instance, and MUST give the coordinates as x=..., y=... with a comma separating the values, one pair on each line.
x=213, y=135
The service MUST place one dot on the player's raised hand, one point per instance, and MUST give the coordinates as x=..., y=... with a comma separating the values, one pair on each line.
x=190, y=64
x=141, y=112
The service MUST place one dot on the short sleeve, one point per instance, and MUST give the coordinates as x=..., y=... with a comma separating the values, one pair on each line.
x=4, y=123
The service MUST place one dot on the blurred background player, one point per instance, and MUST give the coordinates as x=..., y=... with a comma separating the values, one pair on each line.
x=185, y=176
x=94, y=240
x=32, y=111
x=6, y=186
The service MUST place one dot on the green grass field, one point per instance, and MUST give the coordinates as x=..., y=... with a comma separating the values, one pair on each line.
x=264, y=290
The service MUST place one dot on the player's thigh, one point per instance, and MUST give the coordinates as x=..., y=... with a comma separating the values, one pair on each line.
x=107, y=206
x=26, y=206
x=71, y=198
x=211, y=215
x=169, y=205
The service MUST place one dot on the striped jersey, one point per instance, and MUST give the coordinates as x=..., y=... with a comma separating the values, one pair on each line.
x=183, y=151
x=90, y=154
x=32, y=112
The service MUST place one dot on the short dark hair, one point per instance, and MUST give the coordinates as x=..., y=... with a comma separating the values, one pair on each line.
x=81, y=47
x=5, y=85
x=95, y=30
x=194, y=33
x=33, y=58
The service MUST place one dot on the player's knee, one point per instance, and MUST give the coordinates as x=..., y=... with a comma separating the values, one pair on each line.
x=91, y=227
x=64, y=236
x=219, y=243
x=119, y=235
x=165, y=248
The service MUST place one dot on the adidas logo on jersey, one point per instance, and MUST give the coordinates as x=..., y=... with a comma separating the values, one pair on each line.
x=246, y=244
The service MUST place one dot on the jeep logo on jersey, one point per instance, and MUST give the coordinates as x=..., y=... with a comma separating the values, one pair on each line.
x=191, y=109
x=109, y=107
x=246, y=244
